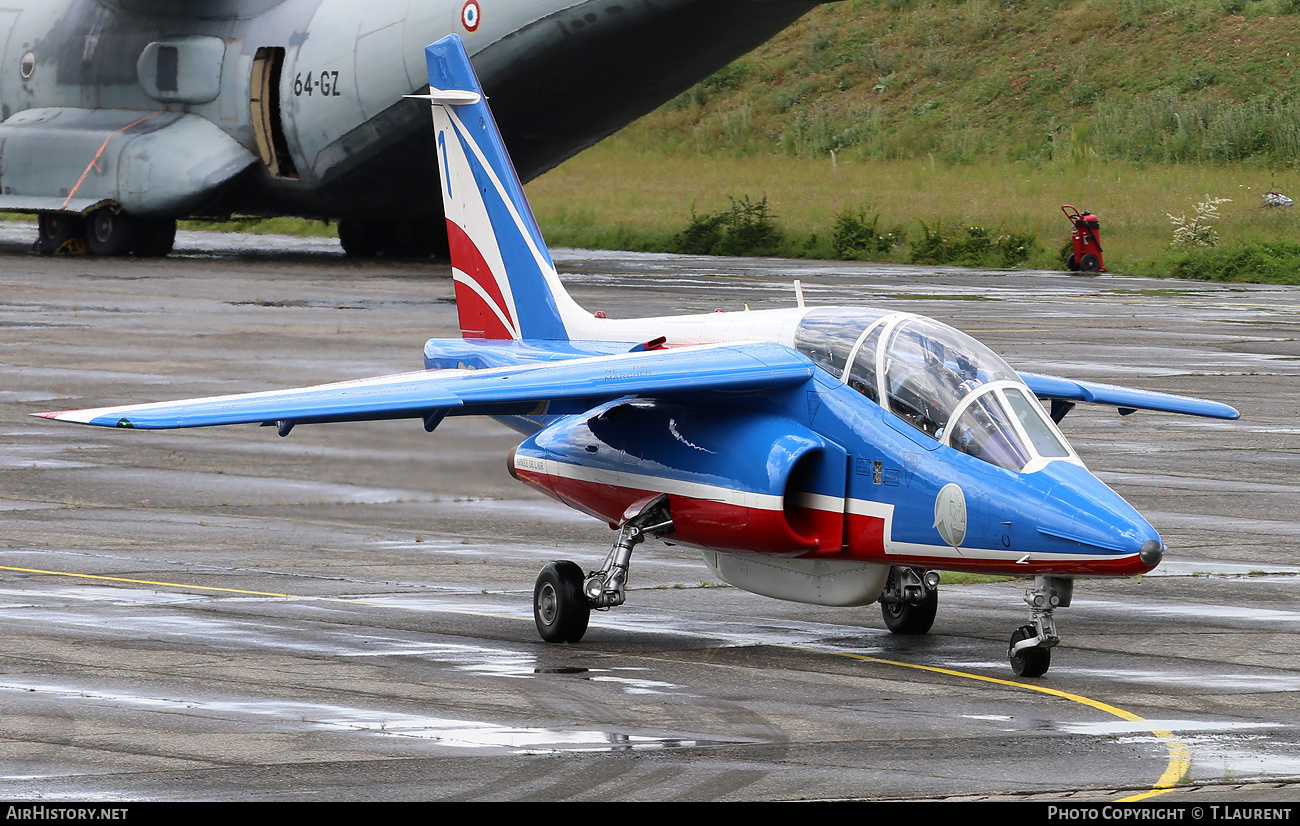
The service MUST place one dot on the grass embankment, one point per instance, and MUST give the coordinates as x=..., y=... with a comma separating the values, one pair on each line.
x=982, y=112
x=611, y=198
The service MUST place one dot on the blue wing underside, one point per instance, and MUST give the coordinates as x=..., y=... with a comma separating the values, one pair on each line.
x=512, y=390
x=548, y=375
x=1127, y=399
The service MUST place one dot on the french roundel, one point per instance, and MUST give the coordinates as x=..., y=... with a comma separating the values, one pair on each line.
x=469, y=15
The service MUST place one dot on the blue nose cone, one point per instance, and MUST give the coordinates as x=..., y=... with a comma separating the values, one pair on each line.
x=1080, y=516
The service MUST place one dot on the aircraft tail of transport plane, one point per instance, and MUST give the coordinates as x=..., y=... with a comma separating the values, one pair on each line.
x=833, y=455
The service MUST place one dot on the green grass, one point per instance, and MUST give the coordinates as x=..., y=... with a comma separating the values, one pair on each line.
x=614, y=197
x=1024, y=80
x=971, y=113
x=282, y=225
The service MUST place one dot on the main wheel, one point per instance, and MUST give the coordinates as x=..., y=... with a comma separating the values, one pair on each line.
x=410, y=239
x=110, y=232
x=60, y=232
x=1031, y=662
x=362, y=239
x=1090, y=263
x=1071, y=263
x=560, y=608
x=906, y=618
x=155, y=237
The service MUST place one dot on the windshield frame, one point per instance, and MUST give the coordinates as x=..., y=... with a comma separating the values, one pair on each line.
x=1026, y=443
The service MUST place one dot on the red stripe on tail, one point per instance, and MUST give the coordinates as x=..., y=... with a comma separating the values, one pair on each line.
x=477, y=319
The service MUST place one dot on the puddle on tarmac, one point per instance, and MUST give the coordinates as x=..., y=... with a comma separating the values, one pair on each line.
x=440, y=731
x=1219, y=750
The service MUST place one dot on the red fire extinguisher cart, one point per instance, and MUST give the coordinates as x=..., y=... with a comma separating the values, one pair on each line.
x=1086, y=238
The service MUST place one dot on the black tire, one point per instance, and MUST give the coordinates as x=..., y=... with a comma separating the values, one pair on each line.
x=1031, y=662
x=410, y=239
x=1090, y=263
x=109, y=232
x=560, y=608
x=1071, y=264
x=155, y=237
x=906, y=618
x=362, y=239
x=55, y=231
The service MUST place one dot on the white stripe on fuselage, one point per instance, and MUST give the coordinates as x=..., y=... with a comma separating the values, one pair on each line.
x=770, y=502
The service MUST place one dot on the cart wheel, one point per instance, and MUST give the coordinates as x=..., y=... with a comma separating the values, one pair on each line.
x=1090, y=263
x=1071, y=264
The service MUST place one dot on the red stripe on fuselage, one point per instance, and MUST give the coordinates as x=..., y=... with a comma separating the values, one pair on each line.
x=477, y=320
x=722, y=526
x=704, y=523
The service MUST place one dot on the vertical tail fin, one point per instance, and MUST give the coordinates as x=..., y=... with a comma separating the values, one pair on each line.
x=506, y=284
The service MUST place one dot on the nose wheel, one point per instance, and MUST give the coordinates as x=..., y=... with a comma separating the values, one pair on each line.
x=1032, y=661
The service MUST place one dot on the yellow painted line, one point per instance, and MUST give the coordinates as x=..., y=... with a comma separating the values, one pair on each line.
x=1180, y=760
x=1179, y=756
x=186, y=586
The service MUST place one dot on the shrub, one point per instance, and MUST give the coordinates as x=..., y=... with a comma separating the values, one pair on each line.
x=1197, y=231
x=981, y=247
x=1270, y=262
x=745, y=229
x=856, y=237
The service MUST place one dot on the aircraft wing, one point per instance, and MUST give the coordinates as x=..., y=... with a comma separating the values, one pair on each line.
x=433, y=394
x=1125, y=398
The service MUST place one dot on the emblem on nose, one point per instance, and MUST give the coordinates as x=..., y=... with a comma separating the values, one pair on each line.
x=950, y=514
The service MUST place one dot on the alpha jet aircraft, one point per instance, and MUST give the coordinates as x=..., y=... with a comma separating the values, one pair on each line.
x=120, y=116
x=833, y=456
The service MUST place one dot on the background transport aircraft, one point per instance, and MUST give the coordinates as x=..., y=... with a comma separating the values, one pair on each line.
x=834, y=456
x=119, y=116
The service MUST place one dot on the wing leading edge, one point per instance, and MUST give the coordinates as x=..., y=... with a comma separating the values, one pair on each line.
x=435, y=393
x=1071, y=390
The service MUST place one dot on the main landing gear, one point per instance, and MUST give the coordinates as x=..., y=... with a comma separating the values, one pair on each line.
x=910, y=600
x=1030, y=651
x=106, y=231
x=563, y=598
x=394, y=238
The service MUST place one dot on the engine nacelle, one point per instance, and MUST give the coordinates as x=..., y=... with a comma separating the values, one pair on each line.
x=759, y=497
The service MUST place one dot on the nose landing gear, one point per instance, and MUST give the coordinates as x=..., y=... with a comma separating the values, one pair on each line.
x=1030, y=650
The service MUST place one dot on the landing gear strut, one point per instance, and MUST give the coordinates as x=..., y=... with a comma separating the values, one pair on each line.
x=1030, y=650
x=910, y=600
x=563, y=598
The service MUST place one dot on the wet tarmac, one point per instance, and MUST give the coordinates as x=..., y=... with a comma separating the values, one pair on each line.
x=344, y=614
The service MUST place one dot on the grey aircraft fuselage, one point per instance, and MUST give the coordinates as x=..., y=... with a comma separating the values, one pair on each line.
x=126, y=114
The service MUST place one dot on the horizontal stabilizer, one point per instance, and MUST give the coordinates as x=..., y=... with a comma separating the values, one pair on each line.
x=449, y=97
x=417, y=395
x=1056, y=387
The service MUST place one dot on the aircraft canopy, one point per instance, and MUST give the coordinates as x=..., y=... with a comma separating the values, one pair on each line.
x=937, y=379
